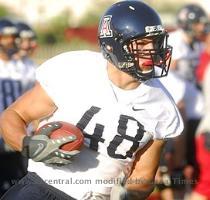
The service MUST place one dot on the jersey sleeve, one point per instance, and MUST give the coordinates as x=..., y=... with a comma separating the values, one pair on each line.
x=65, y=76
x=53, y=75
x=169, y=122
x=171, y=127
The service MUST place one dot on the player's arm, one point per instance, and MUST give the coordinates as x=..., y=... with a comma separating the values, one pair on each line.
x=144, y=170
x=34, y=104
x=140, y=183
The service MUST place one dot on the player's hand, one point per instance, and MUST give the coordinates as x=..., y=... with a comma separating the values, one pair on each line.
x=41, y=148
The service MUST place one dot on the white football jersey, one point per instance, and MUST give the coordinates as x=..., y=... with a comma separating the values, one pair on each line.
x=16, y=77
x=116, y=123
x=187, y=56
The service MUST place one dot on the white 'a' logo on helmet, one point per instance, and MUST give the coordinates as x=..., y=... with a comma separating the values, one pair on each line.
x=105, y=27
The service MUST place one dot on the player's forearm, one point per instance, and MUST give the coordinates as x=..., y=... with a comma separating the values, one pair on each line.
x=12, y=128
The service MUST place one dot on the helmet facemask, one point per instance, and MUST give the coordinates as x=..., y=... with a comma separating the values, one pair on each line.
x=157, y=58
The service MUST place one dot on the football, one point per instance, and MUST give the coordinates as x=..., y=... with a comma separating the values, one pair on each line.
x=68, y=129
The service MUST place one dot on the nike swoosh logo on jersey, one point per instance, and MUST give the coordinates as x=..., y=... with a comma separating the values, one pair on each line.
x=137, y=109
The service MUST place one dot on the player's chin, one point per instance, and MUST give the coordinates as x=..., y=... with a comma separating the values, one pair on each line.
x=147, y=70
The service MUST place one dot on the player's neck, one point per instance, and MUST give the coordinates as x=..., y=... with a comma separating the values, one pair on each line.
x=120, y=78
x=188, y=38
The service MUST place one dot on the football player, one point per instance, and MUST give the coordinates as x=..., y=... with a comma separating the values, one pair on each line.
x=27, y=39
x=187, y=40
x=201, y=191
x=15, y=79
x=204, y=57
x=187, y=46
x=124, y=112
x=174, y=151
x=27, y=42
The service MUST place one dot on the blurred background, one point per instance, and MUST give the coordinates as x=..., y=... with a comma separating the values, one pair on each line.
x=72, y=24
x=67, y=25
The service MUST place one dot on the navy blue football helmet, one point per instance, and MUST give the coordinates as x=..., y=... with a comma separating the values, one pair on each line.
x=26, y=40
x=121, y=29
x=25, y=31
x=7, y=28
x=191, y=14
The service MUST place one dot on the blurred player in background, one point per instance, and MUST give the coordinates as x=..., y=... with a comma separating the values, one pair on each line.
x=202, y=189
x=187, y=46
x=124, y=112
x=27, y=43
x=204, y=58
x=16, y=77
x=202, y=138
x=27, y=39
x=187, y=40
x=173, y=155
